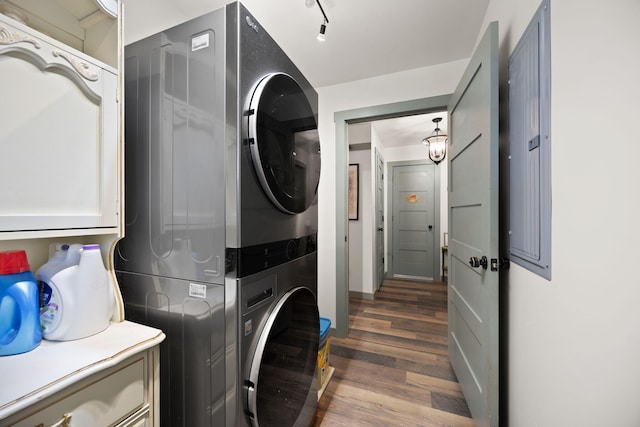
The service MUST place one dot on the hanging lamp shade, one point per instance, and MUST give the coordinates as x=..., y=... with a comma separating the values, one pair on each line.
x=436, y=143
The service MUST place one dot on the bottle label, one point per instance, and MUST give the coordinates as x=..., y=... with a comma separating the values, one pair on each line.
x=49, y=307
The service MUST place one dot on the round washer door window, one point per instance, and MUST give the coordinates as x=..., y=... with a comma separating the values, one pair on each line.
x=283, y=392
x=285, y=147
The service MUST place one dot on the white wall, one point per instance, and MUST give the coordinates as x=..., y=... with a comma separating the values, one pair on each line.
x=360, y=231
x=574, y=342
x=359, y=237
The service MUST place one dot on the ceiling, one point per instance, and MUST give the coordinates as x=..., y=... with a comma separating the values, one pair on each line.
x=364, y=38
x=397, y=132
x=409, y=130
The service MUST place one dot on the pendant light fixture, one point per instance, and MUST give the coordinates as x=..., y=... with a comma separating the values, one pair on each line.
x=436, y=143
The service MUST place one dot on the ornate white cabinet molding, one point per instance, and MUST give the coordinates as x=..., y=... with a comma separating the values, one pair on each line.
x=60, y=136
x=7, y=37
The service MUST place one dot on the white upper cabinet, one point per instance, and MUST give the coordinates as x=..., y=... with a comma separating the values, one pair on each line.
x=60, y=136
x=88, y=26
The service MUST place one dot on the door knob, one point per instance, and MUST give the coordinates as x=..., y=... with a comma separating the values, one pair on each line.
x=476, y=262
x=380, y=229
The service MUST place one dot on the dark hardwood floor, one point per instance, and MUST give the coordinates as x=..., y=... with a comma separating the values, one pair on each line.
x=393, y=369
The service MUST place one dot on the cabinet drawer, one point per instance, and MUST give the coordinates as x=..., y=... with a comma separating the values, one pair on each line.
x=103, y=401
x=142, y=418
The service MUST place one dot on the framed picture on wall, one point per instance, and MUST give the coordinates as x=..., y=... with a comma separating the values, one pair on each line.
x=354, y=183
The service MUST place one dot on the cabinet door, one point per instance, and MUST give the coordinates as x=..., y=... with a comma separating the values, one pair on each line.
x=59, y=138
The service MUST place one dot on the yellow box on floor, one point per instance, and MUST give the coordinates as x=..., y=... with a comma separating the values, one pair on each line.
x=323, y=351
x=323, y=363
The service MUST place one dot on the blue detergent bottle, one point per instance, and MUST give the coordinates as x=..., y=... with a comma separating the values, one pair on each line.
x=19, y=305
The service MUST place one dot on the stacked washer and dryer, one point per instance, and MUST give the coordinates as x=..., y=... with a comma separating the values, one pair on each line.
x=222, y=161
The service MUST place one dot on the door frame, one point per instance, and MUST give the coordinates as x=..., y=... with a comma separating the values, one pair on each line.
x=436, y=213
x=342, y=119
x=379, y=206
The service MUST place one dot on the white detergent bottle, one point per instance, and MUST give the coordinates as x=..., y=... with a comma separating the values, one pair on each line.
x=65, y=256
x=81, y=299
x=49, y=295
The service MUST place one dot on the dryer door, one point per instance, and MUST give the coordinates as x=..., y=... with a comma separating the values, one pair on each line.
x=282, y=389
x=285, y=147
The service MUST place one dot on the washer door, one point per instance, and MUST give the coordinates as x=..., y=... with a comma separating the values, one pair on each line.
x=285, y=147
x=282, y=383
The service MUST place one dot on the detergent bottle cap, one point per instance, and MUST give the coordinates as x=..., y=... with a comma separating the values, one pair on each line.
x=12, y=262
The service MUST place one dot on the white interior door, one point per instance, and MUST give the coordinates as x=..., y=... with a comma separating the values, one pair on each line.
x=473, y=231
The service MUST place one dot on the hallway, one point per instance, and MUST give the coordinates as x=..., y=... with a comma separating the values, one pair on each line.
x=393, y=368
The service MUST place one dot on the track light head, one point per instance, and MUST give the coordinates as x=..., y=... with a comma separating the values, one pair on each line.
x=323, y=28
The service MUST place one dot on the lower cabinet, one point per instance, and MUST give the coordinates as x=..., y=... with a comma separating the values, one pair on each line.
x=123, y=395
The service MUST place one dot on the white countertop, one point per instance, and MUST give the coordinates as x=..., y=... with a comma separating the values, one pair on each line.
x=54, y=365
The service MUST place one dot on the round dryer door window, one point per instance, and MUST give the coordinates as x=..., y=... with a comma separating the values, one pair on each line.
x=283, y=389
x=285, y=147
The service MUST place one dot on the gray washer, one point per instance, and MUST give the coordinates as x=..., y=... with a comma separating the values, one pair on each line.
x=279, y=335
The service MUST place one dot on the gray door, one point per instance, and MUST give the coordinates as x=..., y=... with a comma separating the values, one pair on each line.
x=379, y=268
x=473, y=231
x=413, y=198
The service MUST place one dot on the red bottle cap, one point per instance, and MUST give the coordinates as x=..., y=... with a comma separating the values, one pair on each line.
x=12, y=262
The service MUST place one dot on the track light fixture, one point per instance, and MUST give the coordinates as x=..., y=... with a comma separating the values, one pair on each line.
x=323, y=26
x=436, y=143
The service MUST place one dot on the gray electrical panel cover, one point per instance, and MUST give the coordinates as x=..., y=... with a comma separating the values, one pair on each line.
x=529, y=147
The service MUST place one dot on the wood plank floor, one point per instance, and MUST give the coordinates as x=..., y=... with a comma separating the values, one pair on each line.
x=393, y=369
